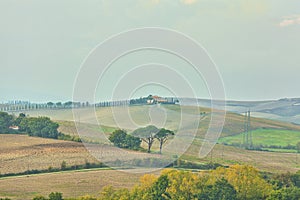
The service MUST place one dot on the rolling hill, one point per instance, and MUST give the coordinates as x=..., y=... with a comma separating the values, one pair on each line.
x=20, y=153
x=287, y=109
x=171, y=116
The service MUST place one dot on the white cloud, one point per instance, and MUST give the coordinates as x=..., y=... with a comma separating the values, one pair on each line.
x=188, y=2
x=290, y=20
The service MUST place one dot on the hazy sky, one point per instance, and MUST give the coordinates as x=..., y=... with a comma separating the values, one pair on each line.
x=254, y=43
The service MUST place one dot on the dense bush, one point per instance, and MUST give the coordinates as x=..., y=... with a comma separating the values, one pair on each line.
x=123, y=140
x=33, y=126
x=6, y=121
x=39, y=127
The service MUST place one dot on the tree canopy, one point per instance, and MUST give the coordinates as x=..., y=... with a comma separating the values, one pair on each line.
x=40, y=127
x=220, y=184
x=162, y=137
x=123, y=140
x=34, y=126
x=6, y=121
x=147, y=134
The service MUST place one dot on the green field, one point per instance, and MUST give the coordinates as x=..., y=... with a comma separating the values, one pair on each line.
x=266, y=137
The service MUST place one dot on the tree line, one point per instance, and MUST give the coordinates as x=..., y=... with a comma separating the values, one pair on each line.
x=238, y=182
x=33, y=126
x=149, y=134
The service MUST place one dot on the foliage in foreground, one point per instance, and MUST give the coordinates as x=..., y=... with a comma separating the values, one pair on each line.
x=235, y=183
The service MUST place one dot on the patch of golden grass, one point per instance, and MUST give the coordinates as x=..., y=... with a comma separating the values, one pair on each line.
x=273, y=162
x=19, y=153
x=71, y=184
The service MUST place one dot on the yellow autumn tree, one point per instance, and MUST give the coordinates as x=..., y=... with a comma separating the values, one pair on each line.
x=184, y=184
x=246, y=180
x=109, y=193
x=142, y=191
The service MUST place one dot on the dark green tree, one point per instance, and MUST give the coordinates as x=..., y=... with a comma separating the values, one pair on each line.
x=63, y=165
x=23, y=125
x=222, y=190
x=162, y=137
x=19, y=119
x=287, y=193
x=58, y=104
x=42, y=127
x=118, y=138
x=147, y=134
x=50, y=104
x=68, y=104
x=6, y=121
x=39, y=198
x=55, y=196
x=39, y=127
x=132, y=142
x=159, y=188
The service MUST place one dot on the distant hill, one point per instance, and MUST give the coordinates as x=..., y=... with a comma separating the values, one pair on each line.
x=287, y=109
x=234, y=122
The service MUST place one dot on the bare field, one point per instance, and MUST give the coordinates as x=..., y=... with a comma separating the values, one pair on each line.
x=71, y=184
x=19, y=153
x=273, y=162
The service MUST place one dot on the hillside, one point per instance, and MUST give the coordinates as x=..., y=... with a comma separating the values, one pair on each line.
x=171, y=116
x=287, y=109
x=20, y=153
x=168, y=116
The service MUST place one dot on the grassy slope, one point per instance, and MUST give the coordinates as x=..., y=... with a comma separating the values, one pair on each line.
x=278, y=137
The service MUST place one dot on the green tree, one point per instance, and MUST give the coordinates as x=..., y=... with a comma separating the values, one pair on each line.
x=63, y=165
x=159, y=188
x=246, y=180
x=23, y=125
x=68, y=104
x=109, y=193
x=118, y=138
x=6, y=121
x=39, y=198
x=132, y=142
x=222, y=190
x=147, y=134
x=19, y=119
x=55, y=196
x=50, y=104
x=162, y=137
x=58, y=104
x=287, y=193
x=87, y=197
x=42, y=127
